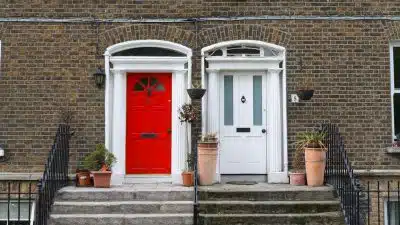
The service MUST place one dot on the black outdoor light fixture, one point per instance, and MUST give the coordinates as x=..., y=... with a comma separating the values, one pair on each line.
x=99, y=77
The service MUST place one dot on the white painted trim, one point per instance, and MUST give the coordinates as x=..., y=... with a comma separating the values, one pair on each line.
x=115, y=101
x=217, y=65
x=149, y=43
x=147, y=179
x=241, y=42
x=392, y=89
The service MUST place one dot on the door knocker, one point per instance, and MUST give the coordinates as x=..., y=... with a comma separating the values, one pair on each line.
x=243, y=99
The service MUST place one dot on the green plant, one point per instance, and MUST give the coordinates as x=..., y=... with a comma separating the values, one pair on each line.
x=189, y=162
x=208, y=137
x=99, y=159
x=188, y=113
x=313, y=139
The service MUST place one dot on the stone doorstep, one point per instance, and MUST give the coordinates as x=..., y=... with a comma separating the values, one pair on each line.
x=127, y=219
x=122, y=207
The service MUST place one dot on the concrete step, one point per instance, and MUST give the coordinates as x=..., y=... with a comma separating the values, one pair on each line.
x=270, y=207
x=125, y=193
x=122, y=207
x=266, y=192
x=326, y=218
x=121, y=219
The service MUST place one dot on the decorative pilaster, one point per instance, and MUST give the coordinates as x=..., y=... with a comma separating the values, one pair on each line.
x=179, y=135
x=276, y=173
x=119, y=126
x=213, y=117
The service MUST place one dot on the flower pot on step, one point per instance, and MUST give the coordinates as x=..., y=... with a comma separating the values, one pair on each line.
x=188, y=178
x=102, y=179
x=315, y=166
x=83, y=177
x=297, y=178
x=207, y=162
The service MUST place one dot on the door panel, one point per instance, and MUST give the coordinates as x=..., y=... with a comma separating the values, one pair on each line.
x=242, y=142
x=148, y=136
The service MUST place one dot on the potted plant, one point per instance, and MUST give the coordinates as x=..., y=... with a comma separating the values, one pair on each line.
x=304, y=91
x=188, y=174
x=83, y=178
x=297, y=175
x=187, y=114
x=207, y=158
x=315, y=155
x=100, y=162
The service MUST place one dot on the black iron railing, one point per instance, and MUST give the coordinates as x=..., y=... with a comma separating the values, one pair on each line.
x=340, y=175
x=17, y=200
x=55, y=175
x=196, y=186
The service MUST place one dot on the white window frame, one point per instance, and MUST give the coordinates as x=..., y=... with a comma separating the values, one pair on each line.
x=386, y=210
x=392, y=89
x=22, y=201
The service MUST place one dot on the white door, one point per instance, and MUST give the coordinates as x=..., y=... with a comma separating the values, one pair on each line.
x=243, y=135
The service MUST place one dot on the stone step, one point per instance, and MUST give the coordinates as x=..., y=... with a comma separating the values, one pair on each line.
x=326, y=218
x=122, y=207
x=270, y=207
x=118, y=219
x=125, y=193
x=267, y=193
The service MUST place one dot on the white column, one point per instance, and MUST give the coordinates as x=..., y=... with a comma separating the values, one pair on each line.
x=119, y=127
x=276, y=174
x=213, y=110
x=179, y=135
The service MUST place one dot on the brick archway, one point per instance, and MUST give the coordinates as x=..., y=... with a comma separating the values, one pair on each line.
x=146, y=32
x=223, y=33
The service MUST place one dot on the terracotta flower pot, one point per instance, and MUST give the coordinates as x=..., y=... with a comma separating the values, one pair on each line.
x=83, y=177
x=315, y=166
x=102, y=179
x=188, y=178
x=207, y=162
x=297, y=178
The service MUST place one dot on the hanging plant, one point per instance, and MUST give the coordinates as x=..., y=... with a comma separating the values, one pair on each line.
x=188, y=113
x=304, y=91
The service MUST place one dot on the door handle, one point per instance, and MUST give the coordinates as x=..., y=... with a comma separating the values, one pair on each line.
x=263, y=131
x=169, y=131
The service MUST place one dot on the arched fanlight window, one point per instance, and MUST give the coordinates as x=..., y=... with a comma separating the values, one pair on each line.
x=149, y=51
x=244, y=48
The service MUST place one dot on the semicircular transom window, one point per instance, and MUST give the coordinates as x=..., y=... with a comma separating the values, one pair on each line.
x=148, y=84
x=149, y=51
x=244, y=50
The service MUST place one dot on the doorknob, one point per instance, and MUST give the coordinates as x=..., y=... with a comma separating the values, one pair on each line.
x=264, y=131
x=169, y=131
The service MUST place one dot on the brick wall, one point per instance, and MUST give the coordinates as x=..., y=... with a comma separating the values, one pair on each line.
x=47, y=67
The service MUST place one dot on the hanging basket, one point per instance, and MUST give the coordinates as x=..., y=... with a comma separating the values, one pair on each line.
x=196, y=93
x=305, y=94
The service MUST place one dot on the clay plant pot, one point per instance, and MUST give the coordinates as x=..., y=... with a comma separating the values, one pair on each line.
x=207, y=162
x=297, y=178
x=315, y=166
x=188, y=178
x=83, y=178
x=102, y=179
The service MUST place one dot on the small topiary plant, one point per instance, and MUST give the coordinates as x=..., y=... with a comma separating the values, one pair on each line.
x=100, y=159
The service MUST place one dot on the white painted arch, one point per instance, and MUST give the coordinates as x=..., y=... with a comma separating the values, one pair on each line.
x=115, y=103
x=274, y=66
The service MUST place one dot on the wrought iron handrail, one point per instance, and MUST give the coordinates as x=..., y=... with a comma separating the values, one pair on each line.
x=196, y=186
x=340, y=175
x=55, y=175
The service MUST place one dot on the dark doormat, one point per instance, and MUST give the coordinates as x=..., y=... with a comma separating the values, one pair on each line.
x=242, y=182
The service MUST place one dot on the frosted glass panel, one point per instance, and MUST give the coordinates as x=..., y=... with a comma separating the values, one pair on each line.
x=257, y=100
x=228, y=100
x=394, y=213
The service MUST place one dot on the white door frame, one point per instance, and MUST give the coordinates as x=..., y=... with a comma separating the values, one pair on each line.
x=115, y=104
x=277, y=161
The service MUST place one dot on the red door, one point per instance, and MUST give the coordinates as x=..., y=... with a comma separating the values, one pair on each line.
x=148, y=123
